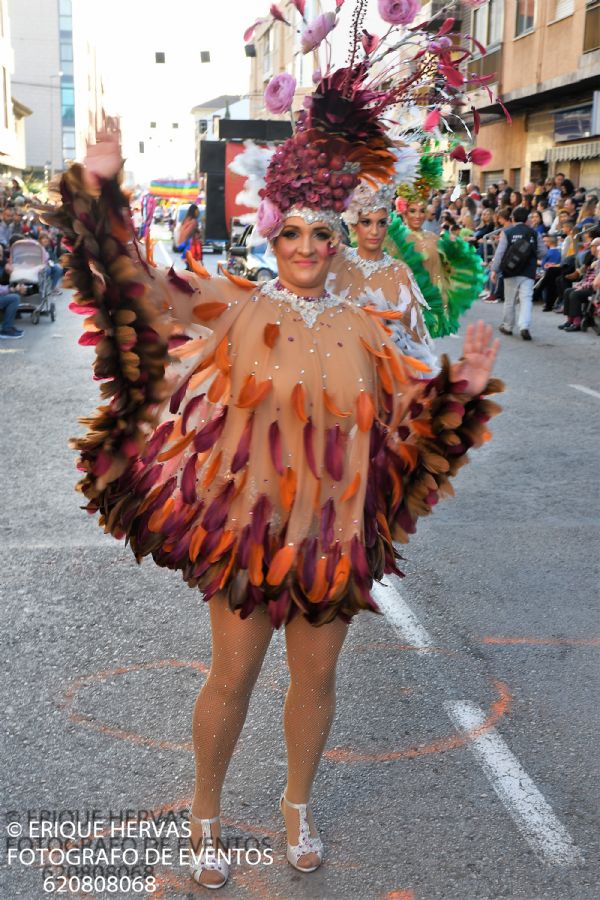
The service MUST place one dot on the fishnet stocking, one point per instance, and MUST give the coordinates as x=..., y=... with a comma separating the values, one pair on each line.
x=309, y=709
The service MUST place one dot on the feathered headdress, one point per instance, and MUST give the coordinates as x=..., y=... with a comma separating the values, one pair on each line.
x=342, y=135
x=429, y=178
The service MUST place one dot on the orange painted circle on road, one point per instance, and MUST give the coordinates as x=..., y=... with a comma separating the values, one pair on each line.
x=123, y=734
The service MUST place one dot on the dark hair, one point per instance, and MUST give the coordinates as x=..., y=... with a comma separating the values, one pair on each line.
x=192, y=212
x=519, y=196
x=520, y=214
x=505, y=212
x=567, y=188
x=588, y=259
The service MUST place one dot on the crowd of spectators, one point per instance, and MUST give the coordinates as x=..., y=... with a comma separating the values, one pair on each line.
x=19, y=219
x=565, y=218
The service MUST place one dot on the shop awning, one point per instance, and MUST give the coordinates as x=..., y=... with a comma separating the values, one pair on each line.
x=589, y=150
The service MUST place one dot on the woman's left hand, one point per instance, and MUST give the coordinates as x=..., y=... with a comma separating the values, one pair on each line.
x=479, y=354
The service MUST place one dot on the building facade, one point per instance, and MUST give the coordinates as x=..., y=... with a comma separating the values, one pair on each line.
x=57, y=76
x=546, y=58
x=276, y=48
x=12, y=112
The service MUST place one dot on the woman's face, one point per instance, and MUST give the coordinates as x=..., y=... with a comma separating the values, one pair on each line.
x=371, y=230
x=415, y=215
x=487, y=216
x=304, y=254
x=535, y=219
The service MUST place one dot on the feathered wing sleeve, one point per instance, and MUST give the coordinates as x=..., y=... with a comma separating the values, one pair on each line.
x=140, y=321
x=421, y=436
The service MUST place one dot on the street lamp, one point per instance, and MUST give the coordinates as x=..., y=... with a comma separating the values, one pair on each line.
x=56, y=75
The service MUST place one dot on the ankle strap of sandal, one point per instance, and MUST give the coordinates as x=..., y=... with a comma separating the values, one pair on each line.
x=293, y=805
x=204, y=821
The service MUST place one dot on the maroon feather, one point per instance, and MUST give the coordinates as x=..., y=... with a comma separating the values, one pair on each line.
x=309, y=566
x=260, y=515
x=102, y=463
x=157, y=441
x=178, y=340
x=243, y=448
x=358, y=558
x=309, y=450
x=178, y=396
x=180, y=283
x=275, y=447
x=163, y=495
x=189, y=409
x=148, y=480
x=188, y=480
x=327, y=523
x=90, y=338
x=207, y=436
x=216, y=514
x=278, y=609
x=243, y=550
x=334, y=453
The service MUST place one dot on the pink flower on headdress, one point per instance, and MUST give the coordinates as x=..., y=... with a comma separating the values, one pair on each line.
x=279, y=93
x=398, y=12
x=401, y=205
x=268, y=218
x=316, y=31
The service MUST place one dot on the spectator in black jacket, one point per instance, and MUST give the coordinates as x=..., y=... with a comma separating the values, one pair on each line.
x=519, y=286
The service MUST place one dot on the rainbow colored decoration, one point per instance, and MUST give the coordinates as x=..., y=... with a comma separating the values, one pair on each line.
x=178, y=190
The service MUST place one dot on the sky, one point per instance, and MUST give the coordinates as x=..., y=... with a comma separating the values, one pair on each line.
x=129, y=32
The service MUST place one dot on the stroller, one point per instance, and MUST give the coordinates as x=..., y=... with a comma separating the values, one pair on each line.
x=30, y=267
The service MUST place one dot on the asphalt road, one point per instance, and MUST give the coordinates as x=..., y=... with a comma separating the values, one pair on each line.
x=464, y=760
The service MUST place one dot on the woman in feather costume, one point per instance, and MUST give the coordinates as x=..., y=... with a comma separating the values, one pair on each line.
x=269, y=442
x=447, y=269
x=369, y=276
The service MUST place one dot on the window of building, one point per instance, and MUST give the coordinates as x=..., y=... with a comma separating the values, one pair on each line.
x=492, y=177
x=159, y=57
x=487, y=23
x=591, y=35
x=68, y=144
x=202, y=126
x=525, y=17
x=67, y=105
x=573, y=124
x=4, y=97
x=563, y=8
x=266, y=51
x=515, y=179
x=66, y=51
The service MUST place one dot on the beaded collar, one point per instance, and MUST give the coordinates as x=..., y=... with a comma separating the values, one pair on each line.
x=310, y=308
x=367, y=266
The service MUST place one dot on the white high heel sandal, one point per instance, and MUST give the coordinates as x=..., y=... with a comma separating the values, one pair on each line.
x=306, y=843
x=214, y=862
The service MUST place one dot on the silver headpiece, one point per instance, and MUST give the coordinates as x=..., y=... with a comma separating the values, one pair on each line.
x=366, y=199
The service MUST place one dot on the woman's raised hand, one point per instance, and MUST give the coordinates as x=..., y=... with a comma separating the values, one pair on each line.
x=103, y=159
x=479, y=354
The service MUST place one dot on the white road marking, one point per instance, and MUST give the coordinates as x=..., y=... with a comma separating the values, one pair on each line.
x=161, y=246
x=585, y=390
x=13, y=350
x=399, y=613
x=530, y=811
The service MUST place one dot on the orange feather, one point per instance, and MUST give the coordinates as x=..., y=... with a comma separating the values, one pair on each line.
x=380, y=354
x=331, y=407
x=222, y=355
x=196, y=542
x=341, y=575
x=365, y=411
x=287, y=488
x=409, y=454
x=422, y=428
x=205, y=312
x=177, y=448
x=415, y=363
x=225, y=542
x=219, y=387
x=270, y=334
x=235, y=279
x=299, y=402
x=196, y=267
x=255, y=564
x=319, y=588
x=209, y=476
x=159, y=516
x=281, y=564
x=351, y=489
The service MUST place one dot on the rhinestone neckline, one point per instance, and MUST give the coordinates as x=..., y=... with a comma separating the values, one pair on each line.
x=310, y=308
x=368, y=266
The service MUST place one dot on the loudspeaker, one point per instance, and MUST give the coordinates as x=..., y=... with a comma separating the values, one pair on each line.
x=212, y=156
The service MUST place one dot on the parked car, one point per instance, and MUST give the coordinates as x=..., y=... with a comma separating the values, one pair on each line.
x=253, y=261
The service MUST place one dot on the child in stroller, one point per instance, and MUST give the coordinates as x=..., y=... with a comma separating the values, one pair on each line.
x=28, y=265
